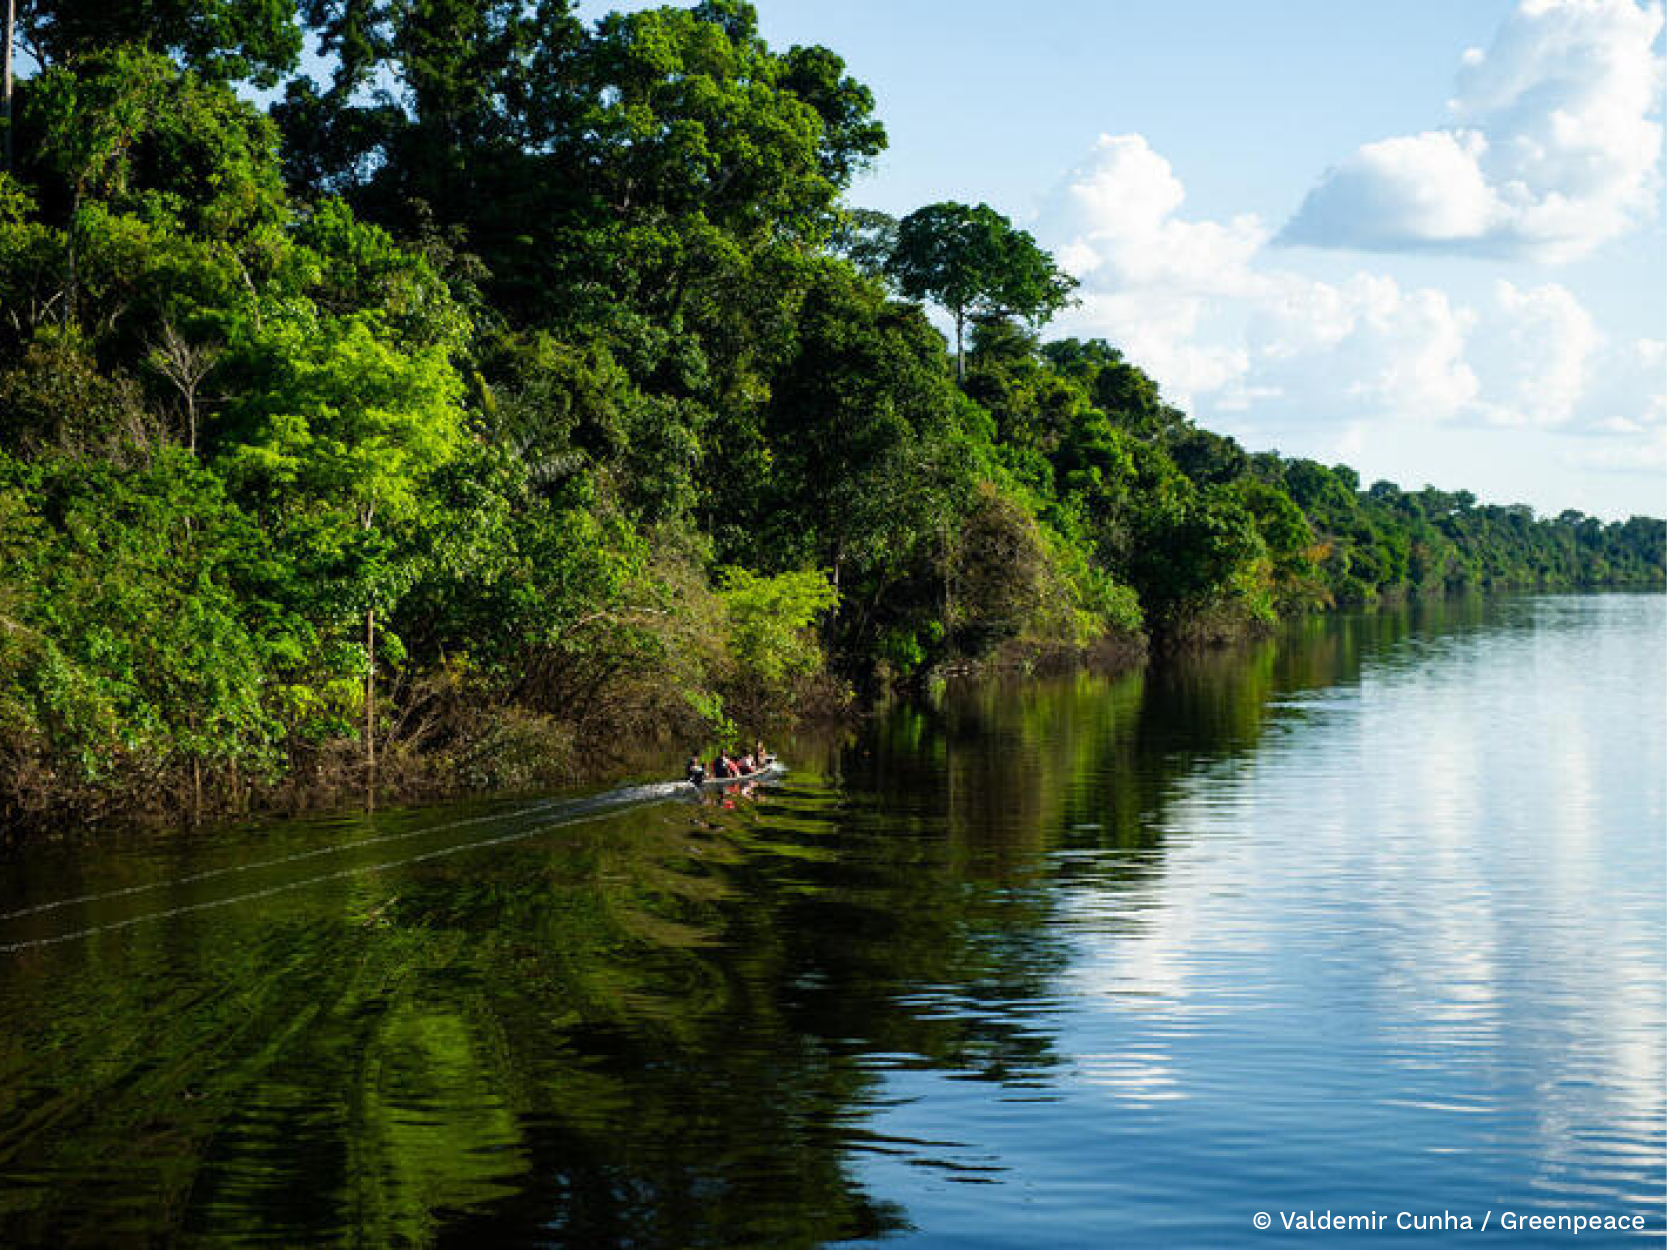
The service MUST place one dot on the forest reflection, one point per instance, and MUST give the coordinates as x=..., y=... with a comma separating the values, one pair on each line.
x=667, y=1027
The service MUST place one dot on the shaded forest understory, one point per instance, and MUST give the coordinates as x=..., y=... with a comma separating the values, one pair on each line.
x=520, y=387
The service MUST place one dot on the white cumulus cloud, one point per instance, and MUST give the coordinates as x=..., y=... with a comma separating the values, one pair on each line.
x=1535, y=354
x=1232, y=331
x=1364, y=347
x=1628, y=401
x=1117, y=209
x=1553, y=147
x=1155, y=283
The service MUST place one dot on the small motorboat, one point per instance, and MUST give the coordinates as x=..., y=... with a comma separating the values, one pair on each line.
x=772, y=768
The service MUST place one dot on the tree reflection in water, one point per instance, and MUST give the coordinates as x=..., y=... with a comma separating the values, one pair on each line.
x=667, y=1027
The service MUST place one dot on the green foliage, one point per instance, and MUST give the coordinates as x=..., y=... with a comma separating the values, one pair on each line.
x=1289, y=541
x=856, y=430
x=771, y=639
x=129, y=643
x=1123, y=392
x=974, y=262
x=1012, y=578
x=865, y=237
x=488, y=403
x=1191, y=550
x=220, y=39
x=343, y=417
x=126, y=129
x=55, y=397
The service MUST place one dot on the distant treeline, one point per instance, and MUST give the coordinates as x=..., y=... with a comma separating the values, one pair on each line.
x=526, y=388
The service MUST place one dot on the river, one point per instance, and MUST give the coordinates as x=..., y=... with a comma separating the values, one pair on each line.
x=1370, y=919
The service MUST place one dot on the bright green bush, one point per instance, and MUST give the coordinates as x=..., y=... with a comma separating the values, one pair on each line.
x=771, y=636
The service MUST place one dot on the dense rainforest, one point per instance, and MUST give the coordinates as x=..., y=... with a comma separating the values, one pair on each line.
x=487, y=389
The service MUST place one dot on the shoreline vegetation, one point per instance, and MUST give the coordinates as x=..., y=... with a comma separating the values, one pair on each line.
x=522, y=395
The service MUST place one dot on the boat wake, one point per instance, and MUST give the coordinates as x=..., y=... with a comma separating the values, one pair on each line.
x=562, y=812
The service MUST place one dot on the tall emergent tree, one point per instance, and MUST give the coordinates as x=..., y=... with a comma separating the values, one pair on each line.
x=974, y=262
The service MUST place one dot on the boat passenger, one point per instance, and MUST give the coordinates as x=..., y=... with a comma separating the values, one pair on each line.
x=747, y=765
x=696, y=771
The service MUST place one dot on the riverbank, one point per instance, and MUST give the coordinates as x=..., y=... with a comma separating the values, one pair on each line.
x=478, y=751
x=483, y=752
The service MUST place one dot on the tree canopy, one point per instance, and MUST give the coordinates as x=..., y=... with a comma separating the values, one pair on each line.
x=975, y=263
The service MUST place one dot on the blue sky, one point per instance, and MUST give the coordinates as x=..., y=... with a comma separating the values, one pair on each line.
x=1424, y=238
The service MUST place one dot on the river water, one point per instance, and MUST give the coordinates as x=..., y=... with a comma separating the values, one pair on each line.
x=1368, y=919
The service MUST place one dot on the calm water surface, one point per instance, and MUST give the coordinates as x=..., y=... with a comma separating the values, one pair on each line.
x=1373, y=918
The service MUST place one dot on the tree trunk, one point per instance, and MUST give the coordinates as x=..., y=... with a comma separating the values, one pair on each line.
x=72, y=279
x=370, y=697
x=948, y=570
